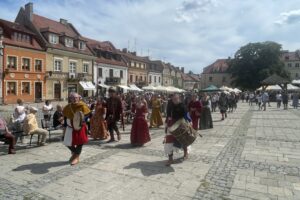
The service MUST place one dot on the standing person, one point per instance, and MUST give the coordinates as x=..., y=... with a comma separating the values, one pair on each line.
x=58, y=117
x=31, y=127
x=295, y=100
x=156, y=118
x=140, y=131
x=214, y=102
x=278, y=99
x=175, y=112
x=5, y=133
x=76, y=129
x=194, y=108
x=251, y=99
x=223, y=105
x=285, y=100
x=47, y=108
x=113, y=114
x=265, y=99
x=259, y=100
x=206, y=119
x=98, y=124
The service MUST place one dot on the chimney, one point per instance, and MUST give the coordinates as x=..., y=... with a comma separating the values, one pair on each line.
x=29, y=11
x=63, y=21
x=124, y=50
x=133, y=53
x=182, y=69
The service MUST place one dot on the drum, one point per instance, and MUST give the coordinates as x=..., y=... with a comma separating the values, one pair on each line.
x=183, y=132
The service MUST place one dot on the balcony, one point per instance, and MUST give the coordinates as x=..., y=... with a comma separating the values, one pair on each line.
x=113, y=81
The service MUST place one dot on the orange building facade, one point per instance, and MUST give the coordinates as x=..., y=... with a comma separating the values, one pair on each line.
x=24, y=63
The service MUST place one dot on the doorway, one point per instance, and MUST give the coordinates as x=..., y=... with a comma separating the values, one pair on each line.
x=38, y=91
x=57, y=91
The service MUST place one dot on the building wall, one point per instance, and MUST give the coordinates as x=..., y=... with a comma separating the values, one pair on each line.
x=217, y=79
x=18, y=76
x=158, y=79
x=62, y=77
x=137, y=73
x=105, y=73
x=293, y=67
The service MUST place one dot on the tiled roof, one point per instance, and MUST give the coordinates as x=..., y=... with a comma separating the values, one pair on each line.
x=11, y=27
x=195, y=77
x=219, y=66
x=187, y=77
x=130, y=56
x=44, y=24
x=104, y=46
x=290, y=56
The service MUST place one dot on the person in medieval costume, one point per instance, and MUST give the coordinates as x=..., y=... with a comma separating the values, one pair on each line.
x=195, y=107
x=98, y=123
x=75, y=127
x=156, y=118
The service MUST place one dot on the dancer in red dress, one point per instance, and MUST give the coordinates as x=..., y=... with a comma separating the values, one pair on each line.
x=195, y=107
x=140, y=131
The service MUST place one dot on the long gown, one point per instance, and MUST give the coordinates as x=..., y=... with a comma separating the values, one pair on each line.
x=206, y=118
x=156, y=118
x=140, y=131
x=98, y=124
x=195, y=114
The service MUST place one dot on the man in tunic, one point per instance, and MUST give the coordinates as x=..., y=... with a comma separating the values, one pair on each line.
x=113, y=114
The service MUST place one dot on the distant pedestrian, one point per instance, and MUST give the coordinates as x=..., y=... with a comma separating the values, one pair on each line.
x=206, y=119
x=295, y=100
x=285, y=100
x=223, y=105
x=278, y=99
x=265, y=99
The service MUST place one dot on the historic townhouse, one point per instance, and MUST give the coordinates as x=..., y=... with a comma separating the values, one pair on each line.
x=216, y=74
x=109, y=66
x=69, y=60
x=155, y=71
x=137, y=68
x=292, y=63
x=191, y=81
x=23, y=64
x=167, y=78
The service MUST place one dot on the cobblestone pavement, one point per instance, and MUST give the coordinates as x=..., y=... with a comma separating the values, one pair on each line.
x=250, y=155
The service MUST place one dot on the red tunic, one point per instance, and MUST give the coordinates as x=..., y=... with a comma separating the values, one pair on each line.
x=195, y=110
x=140, y=131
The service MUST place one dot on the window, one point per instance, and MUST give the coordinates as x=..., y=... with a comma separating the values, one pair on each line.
x=99, y=72
x=111, y=73
x=53, y=39
x=210, y=79
x=26, y=64
x=289, y=64
x=136, y=78
x=38, y=65
x=11, y=62
x=134, y=64
x=81, y=45
x=145, y=78
x=224, y=79
x=297, y=65
x=296, y=75
x=150, y=79
x=25, y=88
x=85, y=67
x=57, y=65
x=121, y=74
x=131, y=78
x=159, y=79
x=131, y=64
x=154, y=79
x=72, y=67
x=140, y=65
x=11, y=88
x=68, y=42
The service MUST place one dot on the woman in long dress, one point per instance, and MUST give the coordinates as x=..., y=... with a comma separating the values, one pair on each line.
x=195, y=107
x=140, y=131
x=156, y=118
x=98, y=123
x=206, y=119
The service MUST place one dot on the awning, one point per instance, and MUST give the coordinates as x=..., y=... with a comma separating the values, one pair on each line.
x=125, y=87
x=135, y=88
x=103, y=85
x=87, y=85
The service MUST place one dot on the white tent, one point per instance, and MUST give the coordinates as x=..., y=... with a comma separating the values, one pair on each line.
x=271, y=88
x=149, y=87
x=134, y=88
x=236, y=90
x=296, y=81
x=292, y=87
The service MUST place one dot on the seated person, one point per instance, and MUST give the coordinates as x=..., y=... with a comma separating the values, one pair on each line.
x=47, y=108
x=30, y=126
x=10, y=138
x=58, y=118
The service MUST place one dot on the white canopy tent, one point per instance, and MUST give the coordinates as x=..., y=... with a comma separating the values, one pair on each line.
x=103, y=85
x=297, y=82
x=135, y=88
x=290, y=87
x=87, y=85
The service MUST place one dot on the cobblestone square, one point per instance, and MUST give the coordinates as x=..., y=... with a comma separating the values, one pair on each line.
x=250, y=155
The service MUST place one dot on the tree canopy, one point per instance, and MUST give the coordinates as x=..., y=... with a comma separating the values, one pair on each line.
x=254, y=62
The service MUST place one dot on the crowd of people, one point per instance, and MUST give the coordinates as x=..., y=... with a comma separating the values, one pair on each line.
x=99, y=118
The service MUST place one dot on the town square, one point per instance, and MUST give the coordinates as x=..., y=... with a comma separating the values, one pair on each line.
x=146, y=99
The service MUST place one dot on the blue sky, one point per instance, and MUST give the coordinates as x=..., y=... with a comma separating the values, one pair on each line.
x=188, y=33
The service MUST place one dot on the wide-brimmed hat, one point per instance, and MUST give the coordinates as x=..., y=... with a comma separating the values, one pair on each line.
x=33, y=109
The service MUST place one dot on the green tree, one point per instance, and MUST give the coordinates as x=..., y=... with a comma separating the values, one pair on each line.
x=254, y=62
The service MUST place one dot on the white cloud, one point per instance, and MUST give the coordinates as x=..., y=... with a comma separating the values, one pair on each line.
x=290, y=17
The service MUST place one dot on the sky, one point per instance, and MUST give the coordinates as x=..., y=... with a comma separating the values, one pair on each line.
x=186, y=33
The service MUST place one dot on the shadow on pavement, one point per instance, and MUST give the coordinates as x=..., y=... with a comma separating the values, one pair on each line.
x=40, y=168
x=151, y=168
